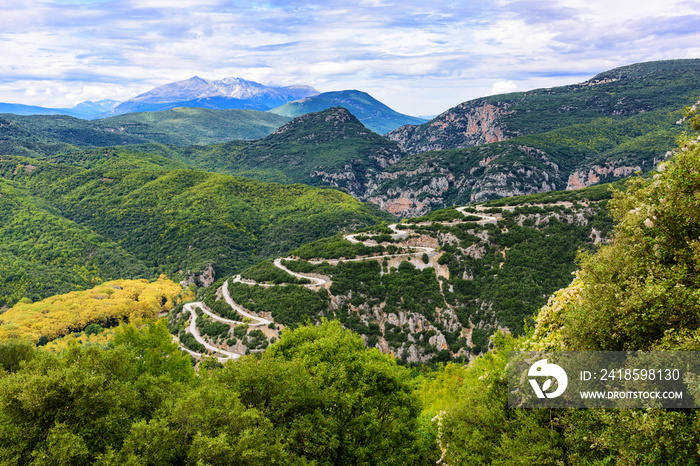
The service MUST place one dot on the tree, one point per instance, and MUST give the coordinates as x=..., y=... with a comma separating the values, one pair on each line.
x=338, y=402
x=154, y=351
x=645, y=286
x=13, y=352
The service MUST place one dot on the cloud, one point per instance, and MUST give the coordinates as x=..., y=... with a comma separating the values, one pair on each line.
x=503, y=87
x=423, y=57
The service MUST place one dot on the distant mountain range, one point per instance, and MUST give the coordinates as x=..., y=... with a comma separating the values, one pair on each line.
x=87, y=110
x=235, y=93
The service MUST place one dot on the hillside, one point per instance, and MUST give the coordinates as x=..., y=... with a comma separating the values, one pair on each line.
x=180, y=126
x=568, y=137
x=42, y=253
x=433, y=288
x=324, y=398
x=327, y=148
x=105, y=305
x=109, y=213
x=568, y=158
x=372, y=113
x=620, y=93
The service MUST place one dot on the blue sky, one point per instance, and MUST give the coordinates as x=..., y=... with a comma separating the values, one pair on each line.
x=418, y=57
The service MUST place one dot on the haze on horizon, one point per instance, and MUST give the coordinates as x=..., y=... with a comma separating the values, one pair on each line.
x=419, y=59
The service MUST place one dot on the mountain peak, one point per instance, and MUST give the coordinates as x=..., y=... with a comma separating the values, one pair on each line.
x=372, y=113
x=231, y=92
x=332, y=119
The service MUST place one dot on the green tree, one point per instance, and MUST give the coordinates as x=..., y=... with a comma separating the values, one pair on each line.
x=645, y=286
x=207, y=425
x=154, y=351
x=13, y=352
x=338, y=402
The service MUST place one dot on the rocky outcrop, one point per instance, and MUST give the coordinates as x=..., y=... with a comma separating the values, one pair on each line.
x=344, y=179
x=516, y=170
x=204, y=278
x=469, y=124
x=596, y=174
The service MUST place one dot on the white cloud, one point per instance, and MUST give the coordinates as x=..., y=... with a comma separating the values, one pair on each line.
x=422, y=58
x=503, y=87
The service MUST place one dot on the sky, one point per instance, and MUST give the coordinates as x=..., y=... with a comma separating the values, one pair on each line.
x=419, y=57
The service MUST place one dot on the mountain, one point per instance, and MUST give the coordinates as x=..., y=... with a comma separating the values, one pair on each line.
x=327, y=148
x=372, y=113
x=181, y=126
x=90, y=109
x=87, y=109
x=100, y=214
x=619, y=94
x=21, y=109
x=228, y=93
x=569, y=137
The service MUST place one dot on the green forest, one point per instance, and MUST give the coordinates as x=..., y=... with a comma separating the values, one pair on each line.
x=318, y=395
x=120, y=237
x=110, y=213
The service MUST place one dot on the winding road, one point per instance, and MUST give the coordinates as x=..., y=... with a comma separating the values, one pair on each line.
x=241, y=310
x=190, y=307
x=315, y=282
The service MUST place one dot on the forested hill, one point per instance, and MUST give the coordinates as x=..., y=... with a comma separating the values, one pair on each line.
x=570, y=137
x=108, y=213
x=180, y=126
x=619, y=94
x=429, y=289
x=327, y=148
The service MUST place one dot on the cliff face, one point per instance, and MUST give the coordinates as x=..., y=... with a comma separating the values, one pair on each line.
x=469, y=124
x=566, y=137
x=462, y=177
x=598, y=174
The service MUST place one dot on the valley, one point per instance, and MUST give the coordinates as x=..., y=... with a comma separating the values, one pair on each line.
x=174, y=290
x=378, y=300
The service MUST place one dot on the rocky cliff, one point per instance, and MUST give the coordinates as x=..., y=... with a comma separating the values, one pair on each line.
x=469, y=124
x=568, y=137
x=461, y=177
